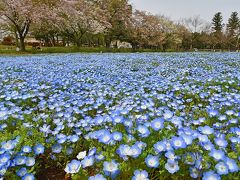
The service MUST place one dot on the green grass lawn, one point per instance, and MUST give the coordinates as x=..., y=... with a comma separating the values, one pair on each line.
x=11, y=50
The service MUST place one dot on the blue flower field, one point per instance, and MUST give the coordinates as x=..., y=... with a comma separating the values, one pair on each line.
x=120, y=116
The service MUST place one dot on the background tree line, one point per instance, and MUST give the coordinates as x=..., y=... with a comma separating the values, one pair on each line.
x=96, y=23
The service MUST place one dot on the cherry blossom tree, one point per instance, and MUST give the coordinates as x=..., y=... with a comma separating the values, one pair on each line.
x=76, y=18
x=21, y=14
x=146, y=30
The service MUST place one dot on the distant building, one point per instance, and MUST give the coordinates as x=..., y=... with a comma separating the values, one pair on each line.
x=118, y=44
x=30, y=40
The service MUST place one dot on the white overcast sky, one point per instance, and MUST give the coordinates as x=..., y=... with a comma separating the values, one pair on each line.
x=177, y=9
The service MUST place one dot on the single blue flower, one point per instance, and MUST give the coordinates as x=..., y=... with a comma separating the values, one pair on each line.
x=143, y=131
x=232, y=165
x=20, y=160
x=210, y=175
x=9, y=145
x=159, y=147
x=206, y=130
x=117, y=136
x=73, y=167
x=38, y=149
x=4, y=159
x=30, y=161
x=87, y=161
x=69, y=151
x=22, y=172
x=152, y=161
x=106, y=137
x=172, y=166
x=217, y=154
x=140, y=175
x=221, y=142
x=26, y=149
x=194, y=172
x=97, y=177
x=57, y=148
x=178, y=142
x=157, y=124
x=28, y=177
x=221, y=168
x=111, y=168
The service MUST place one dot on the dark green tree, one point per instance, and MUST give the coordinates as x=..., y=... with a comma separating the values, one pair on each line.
x=233, y=28
x=233, y=24
x=218, y=38
x=217, y=22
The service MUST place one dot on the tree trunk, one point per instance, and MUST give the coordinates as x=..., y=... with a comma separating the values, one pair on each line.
x=17, y=39
x=22, y=44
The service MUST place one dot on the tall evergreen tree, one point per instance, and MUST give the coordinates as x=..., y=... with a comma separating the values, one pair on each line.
x=217, y=22
x=233, y=24
x=233, y=31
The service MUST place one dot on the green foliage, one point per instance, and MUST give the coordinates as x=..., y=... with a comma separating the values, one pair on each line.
x=217, y=22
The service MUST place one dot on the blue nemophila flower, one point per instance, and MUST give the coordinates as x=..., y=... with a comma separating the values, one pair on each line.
x=28, y=177
x=167, y=114
x=73, y=167
x=92, y=152
x=140, y=175
x=203, y=138
x=206, y=130
x=22, y=172
x=99, y=157
x=159, y=147
x=8, y=145
x=111, y=168
x=194, y=172
x=87, y=161
x=217, y=154
x=143, y=131
x=97, y=177
x=222, y=118
x=141, y=145
x=178, y=142
x=30, y=161
x=157, y=124
x=229, y=112
x=69, y=151
x=171, y=155
x=152, y=161
x=128, y=123
x=123, y=151
x=73, y=138
x=57, y=148
x=4, y=159
x=3, y=113
x=20, y=160
x=232, y=165
x=208, y=146
x=38, y=149
x=135, y=151
x=106, y=137
x=118, y=119
x=26, y=149
x=221, y=142
x=117, y=136
x=172, y=166
x=187, y=138
x=45, y=129
x=213, y=112
x=210, y=175
x=221, y=168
